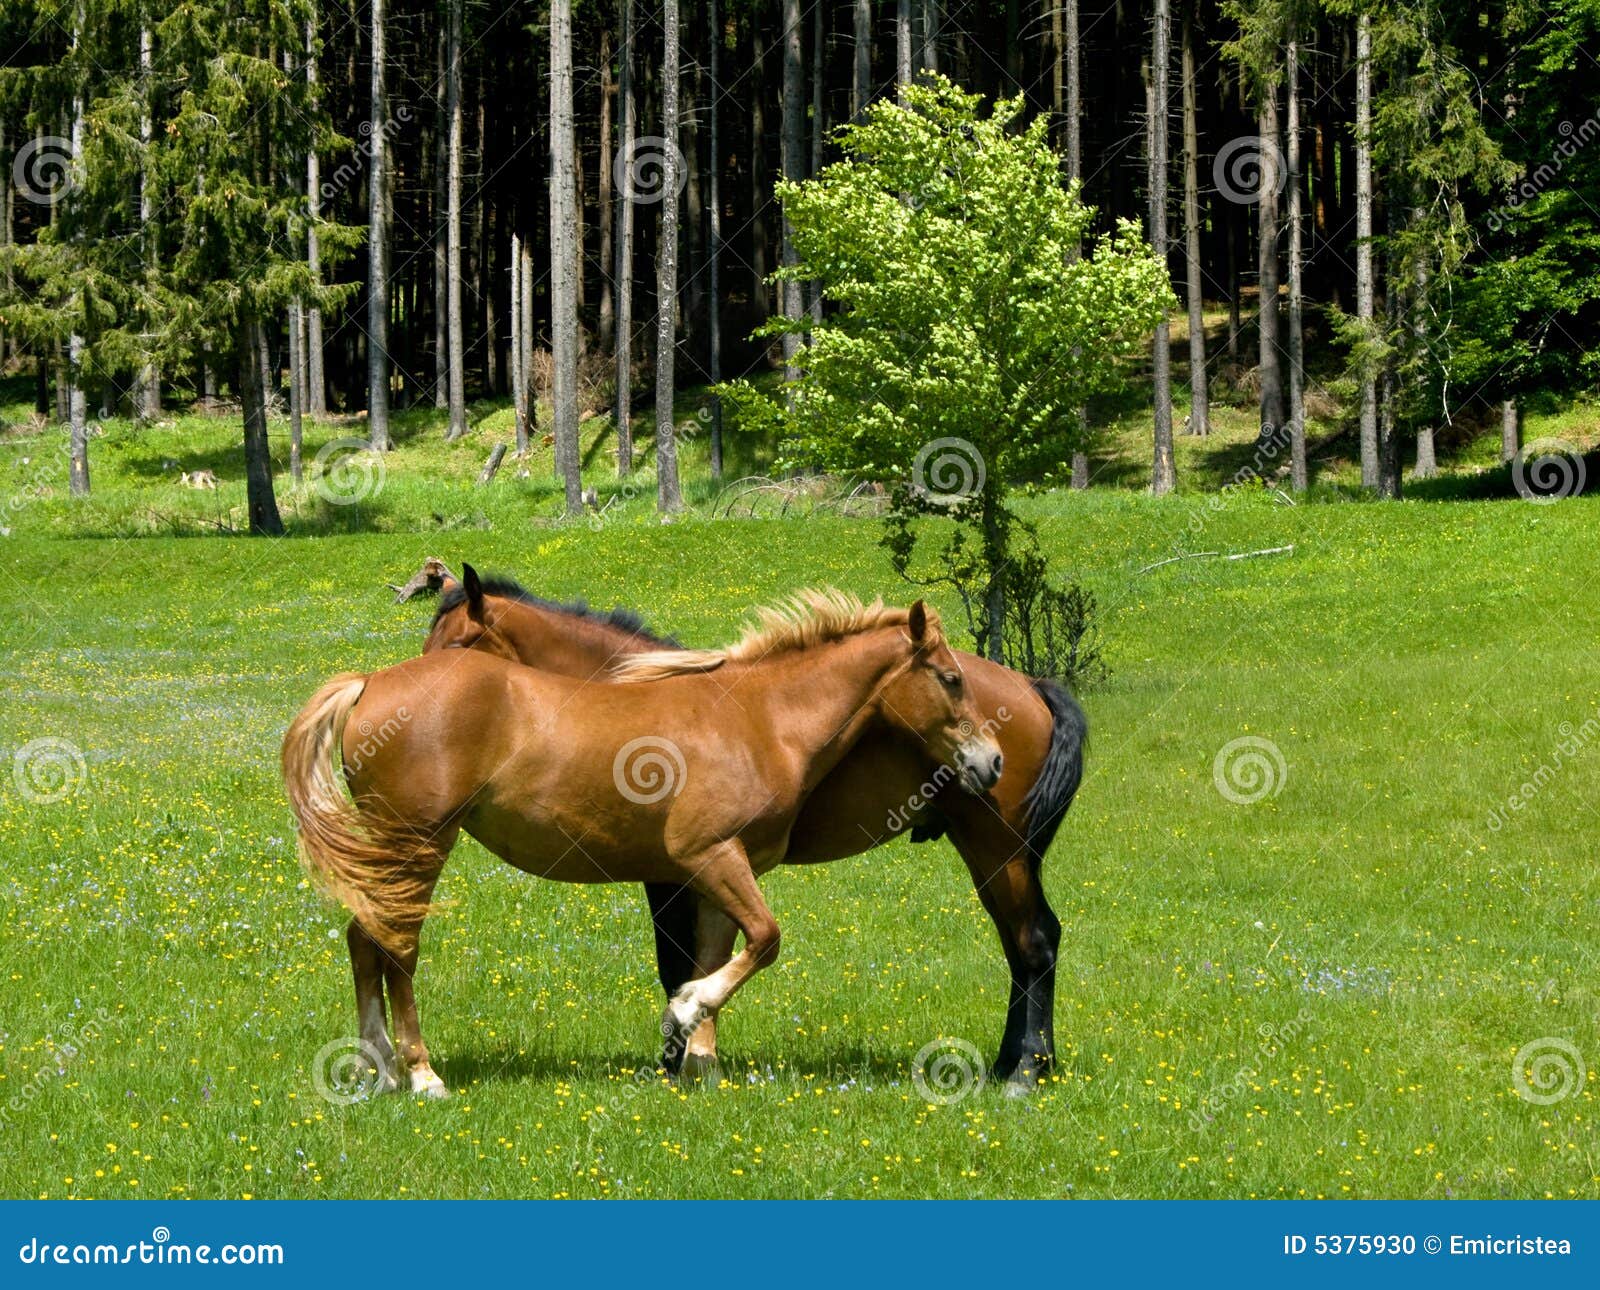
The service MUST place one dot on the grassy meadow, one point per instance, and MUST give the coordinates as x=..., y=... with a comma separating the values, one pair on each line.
x=1321, y=992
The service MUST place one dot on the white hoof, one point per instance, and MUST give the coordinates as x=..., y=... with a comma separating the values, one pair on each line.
x=429, y=1085
x=701, y=1068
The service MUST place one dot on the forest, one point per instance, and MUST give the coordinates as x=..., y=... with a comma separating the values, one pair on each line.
x=296, y=209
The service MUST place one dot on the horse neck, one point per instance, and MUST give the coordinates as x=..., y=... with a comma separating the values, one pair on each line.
x=560, y=642
x=820, y=701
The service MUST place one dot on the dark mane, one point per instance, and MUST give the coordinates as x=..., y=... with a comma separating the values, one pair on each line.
x=623, y=620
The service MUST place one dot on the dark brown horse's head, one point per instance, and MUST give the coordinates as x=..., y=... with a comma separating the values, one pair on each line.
x=466, y=620
x=928, y=698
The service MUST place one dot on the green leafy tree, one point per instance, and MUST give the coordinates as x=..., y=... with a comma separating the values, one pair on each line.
x=962, y=331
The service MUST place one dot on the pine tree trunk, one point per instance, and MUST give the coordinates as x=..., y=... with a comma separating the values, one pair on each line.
x=377, y=249
x=455, y=323
x=263, y=505
x=564, y=256
x=861, y=83
x=714, y=243
x=1297, y=375
x=296, y=389
x=1364, y=285
x=668, y=496
x=902, y=45
x=316, y=381
x=624, y=268
x=1427, y=462
x=1074, y=111
x=1271, y=365
x=77, y=399
x=760, y=292
x=441, y=224
x=794, y=170
x=1164, y=471
x=1510, y=430
x=996, y=562
x=530, y=391
x=519, y=371
x=147, y=395
x=1388, y=397
x=1199, y=391
x=930, y=35
x=608, y=319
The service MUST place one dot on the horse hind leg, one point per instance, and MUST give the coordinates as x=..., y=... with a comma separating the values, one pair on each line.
x=366, y=965
x=714, y=936
x=400, y=971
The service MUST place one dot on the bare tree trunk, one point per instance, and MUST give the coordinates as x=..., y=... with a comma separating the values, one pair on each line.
x=1074, y=110
x=1297, y=375
x=902, y=45
x=564, y=256
x=608, y=321
x=147, y=397
x=624, y=269
x=519, y=373
x=77, y=400
x=818, y=103
x=1271, y=366
x=714, y=244
x=296, y=389
x=263, y=505
x=530, y=390
x=1510, y=429
x=794, y=170
x=455, y=323
x=441, y=225
x=760, y=292
x=316, y=381
x=1427, y=461
x=1369, y=394
x=1164, y=471
x=377, y=249
x=861, y=84
x=1388, y=398
x=668, y=496
x=1199, y=391
x=930, y=35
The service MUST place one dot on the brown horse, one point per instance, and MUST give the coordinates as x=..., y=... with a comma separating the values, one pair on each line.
x=691, y=773
x=880, y=788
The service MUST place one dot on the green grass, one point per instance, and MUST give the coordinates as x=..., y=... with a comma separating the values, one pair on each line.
x=1414, y=665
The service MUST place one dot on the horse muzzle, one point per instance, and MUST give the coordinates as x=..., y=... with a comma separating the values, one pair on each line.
x=978, y=764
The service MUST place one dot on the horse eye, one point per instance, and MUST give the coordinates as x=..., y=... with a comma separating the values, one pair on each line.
x=952, y=679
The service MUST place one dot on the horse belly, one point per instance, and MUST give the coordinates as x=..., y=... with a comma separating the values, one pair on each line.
x=867, y=799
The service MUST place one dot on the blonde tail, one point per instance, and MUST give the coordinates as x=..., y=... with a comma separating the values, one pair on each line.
x=381, y=870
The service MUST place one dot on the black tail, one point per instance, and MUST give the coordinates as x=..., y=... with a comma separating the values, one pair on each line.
x=1052, y=793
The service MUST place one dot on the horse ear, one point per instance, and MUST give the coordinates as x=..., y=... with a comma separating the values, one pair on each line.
x=474, y=590
x=917, y=621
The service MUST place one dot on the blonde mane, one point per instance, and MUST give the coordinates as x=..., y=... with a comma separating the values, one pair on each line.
x=811, y=617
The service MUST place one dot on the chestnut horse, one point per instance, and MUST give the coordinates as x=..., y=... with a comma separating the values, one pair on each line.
x=666, y=777
x=882, y=787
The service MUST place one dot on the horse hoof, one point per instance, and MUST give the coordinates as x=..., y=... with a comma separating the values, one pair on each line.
x=428, y=1085
x=700, y=1068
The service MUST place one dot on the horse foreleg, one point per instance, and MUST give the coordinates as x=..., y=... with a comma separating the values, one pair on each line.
x=366, y=965
x=400, y=970
x=714, y=936
x=723, y=878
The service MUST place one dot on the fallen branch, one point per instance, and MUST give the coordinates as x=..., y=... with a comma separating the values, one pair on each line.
x=431, y=577
x=1202, y=555
x=492, y=465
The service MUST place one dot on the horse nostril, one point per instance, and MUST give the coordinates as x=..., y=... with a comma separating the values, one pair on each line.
x=995, y=765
